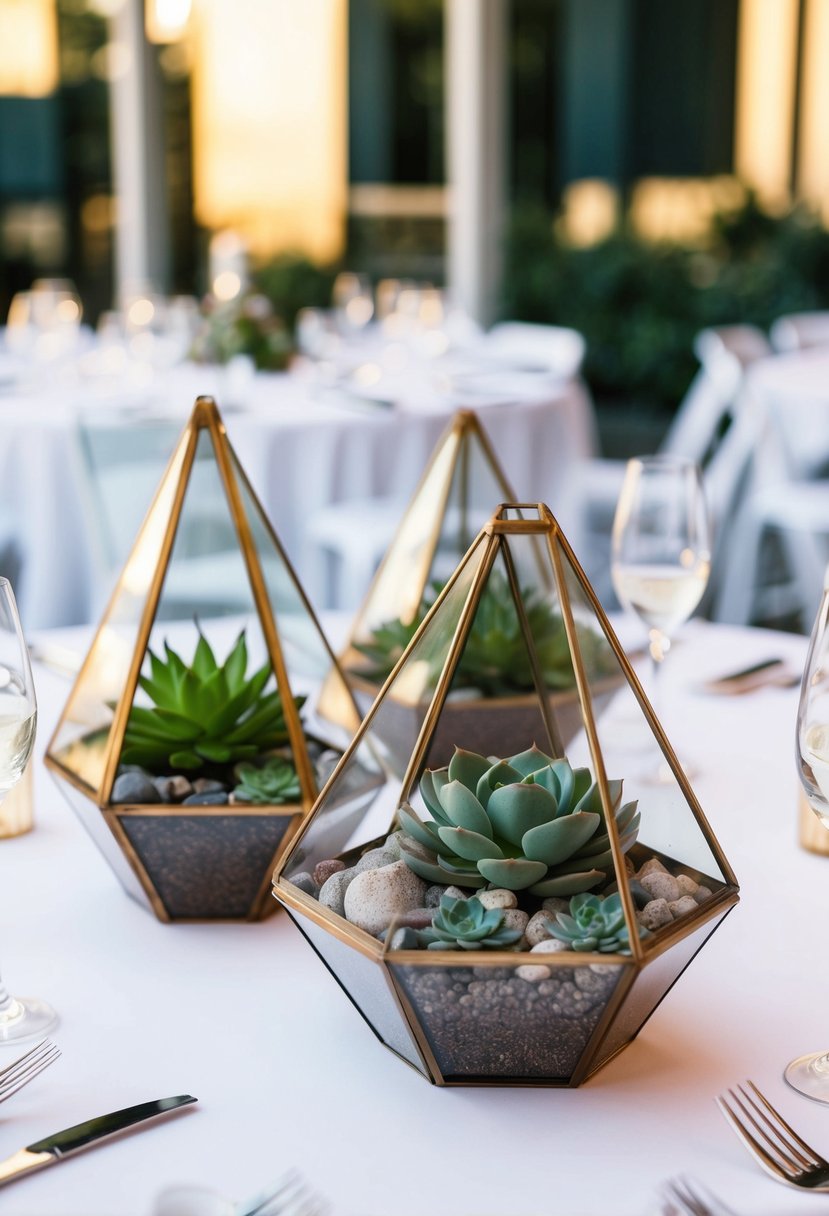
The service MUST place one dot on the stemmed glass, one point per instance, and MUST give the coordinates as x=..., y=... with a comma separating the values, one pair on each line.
x=20, y=1017
x=809, y=1074
x=661, y=549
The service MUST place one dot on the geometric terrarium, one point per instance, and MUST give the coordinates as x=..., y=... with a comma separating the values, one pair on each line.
x=191, y=744
x=493, y=685
x=509, y=915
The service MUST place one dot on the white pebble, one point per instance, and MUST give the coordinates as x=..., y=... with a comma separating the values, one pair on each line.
x=458, y=893
x=652, y=866
x=551, y=946
x=687, y=884
x=682, y=906
x=514, y=918
x=661, y=886
x=375, y=897
x=533, y=973
x=702, y=893
x=554, y=903
x=499, y=898
x=655, y=914
x=537, y=930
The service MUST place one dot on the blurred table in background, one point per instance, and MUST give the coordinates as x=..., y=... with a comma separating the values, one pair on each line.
x=304, y=444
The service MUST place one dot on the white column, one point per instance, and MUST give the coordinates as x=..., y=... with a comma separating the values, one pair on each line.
x=476, y=105
x=141, y=237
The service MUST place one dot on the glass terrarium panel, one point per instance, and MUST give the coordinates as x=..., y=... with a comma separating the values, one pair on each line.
x=80, y=742
x=670, y=836
x=308, y=659
x=648, y=989
x=507, y=1023
x=98, y=827
x=207, y=866
x=365, y=982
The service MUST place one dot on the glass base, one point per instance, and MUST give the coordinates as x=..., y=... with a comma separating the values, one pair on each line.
x=28, y=1017
x=809, y=1075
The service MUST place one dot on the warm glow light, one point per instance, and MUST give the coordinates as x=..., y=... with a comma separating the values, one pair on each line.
x=227, y=285
x=166, y=20
x=28, y=48
x=140, y=313
x=813, y=164
x=269, y=122
x=589, y=211
x=681, y=209
x=766, y=61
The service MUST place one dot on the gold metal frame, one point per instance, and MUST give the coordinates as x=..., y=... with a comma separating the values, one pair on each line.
x=530, y=520
x=205, y=417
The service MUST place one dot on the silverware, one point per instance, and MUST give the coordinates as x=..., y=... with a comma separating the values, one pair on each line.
x=772, y=1142
x=291, y=1196
x=773, y=671
x=54, y=1148
x=25, y=1068
x=681, y=1198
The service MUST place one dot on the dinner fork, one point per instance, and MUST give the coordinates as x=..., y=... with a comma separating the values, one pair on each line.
x=25, y=1068
x=291, y=1197
x=768, y=1137
x=682, y=1199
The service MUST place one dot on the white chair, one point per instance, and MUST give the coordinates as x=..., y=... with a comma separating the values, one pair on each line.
x=800, y=331
x=552, y=348
x=696, y=432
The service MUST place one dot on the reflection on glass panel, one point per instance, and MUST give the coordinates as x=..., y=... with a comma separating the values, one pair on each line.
x=367, y=984
x=543, y=1036
x=98, y=827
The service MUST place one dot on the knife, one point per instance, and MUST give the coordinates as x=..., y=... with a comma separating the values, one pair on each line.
x=63, y=1144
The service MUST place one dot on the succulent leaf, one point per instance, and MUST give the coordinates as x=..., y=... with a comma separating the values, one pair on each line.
x=516, y=809
x=273, y=783
x=594, y=923
x=464, y=810
x=467, y=767
x=465, y=924
x=471, y=846
x=559, y=839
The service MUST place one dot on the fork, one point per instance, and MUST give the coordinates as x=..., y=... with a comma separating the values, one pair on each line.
x=683, y=1200
x=776, y=1146
x=25, y=1068
x=290, y=1197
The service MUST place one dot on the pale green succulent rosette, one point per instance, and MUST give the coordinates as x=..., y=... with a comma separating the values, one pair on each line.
x=528, y=823
x=465, y=924
x=594, y=923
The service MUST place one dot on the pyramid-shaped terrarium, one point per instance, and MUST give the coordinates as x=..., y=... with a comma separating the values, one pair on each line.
x=529, y=907
x=191, y=743
x=493, y=692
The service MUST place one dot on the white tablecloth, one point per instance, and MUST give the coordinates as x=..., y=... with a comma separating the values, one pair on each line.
x=287, y=1074
x=301, y=450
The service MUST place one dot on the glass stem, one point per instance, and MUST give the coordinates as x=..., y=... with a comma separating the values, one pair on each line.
x=10, y=1009
x=658, y=647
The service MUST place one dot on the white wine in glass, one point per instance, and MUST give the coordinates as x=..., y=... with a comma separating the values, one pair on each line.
x=809, y=1074
x=20, y=1017
x=661, y=548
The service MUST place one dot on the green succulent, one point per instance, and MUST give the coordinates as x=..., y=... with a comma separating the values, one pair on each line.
x=203, y=714
x=465, y=924
x=271, y=784
x=594, y=923
x=526, y=823
x=495, y=659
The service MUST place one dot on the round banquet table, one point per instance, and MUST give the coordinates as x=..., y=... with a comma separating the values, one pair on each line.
x=302, y=448
x=288, y=1075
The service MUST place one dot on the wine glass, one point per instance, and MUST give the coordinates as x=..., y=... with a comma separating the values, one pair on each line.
x=809, y=1074
x=660, y=550
x=20, y=1017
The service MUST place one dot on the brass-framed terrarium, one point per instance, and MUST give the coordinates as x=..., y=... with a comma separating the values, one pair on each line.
x=510, y=918
x=191, y=743
x=493, y=688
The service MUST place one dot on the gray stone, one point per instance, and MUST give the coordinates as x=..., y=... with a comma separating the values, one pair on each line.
x=661, y=886
x=417, y=918
x=404, y=939
x=682, y=906
x=332, y=892
x=206, y=785
x=374, y=859
x=173, y=789
x=554, y=903
x=134, y=787
x=537, y=930
x=433, y=896
x=702, y=893
x=392, y=845
x=324, y=869
x=655, y=914
x=514, y=918
x=208, y=798
x=498, y=898
x=375, y=897
x=304, y=882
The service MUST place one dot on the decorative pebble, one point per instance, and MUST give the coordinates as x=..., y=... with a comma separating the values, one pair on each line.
x=173, y=789
x=420, y=918
x=661, y=886
x=375, y=897
x=655, y=914
x=554, y=903
x=687, y=884
x=459, y=892
x=533, y=973
x=392, y=845
x=433, y=895
x=514, y=918
x=702, y=893
x=536, y=930
x=206, y=785
x=498, y=898
x=324, y=869
x=305, y=882
x=652, y=866
x=208, y=798
x=375, y=859
x=551, y=946
x=134, y=787
x=682, y=906
x=332, y=892
x=404, y=939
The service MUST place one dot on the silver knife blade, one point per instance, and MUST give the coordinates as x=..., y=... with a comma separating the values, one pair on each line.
x=54, y=1148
